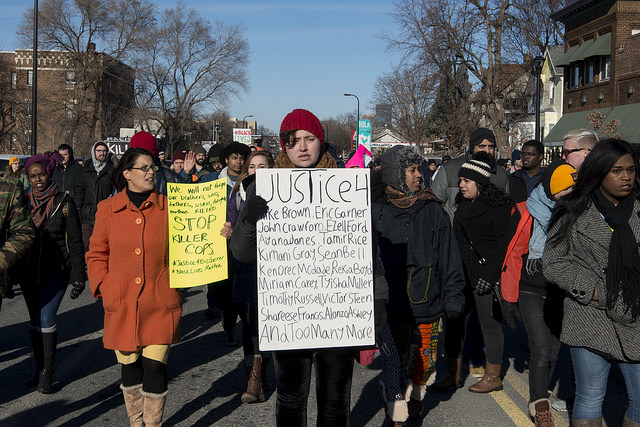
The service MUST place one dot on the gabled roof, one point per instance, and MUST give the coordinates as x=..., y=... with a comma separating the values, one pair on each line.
x=554, y=53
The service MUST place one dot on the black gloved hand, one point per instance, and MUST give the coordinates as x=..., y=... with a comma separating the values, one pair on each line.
x=483, y=287
x=380, y=314
x=256, y=208
x=76, y=289
x=510, y=314
x=453, y=315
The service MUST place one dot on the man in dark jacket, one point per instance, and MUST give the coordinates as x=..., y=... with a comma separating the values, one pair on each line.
x=94, y=186
x=522, y=181
x=68, y=173
x=445, y=182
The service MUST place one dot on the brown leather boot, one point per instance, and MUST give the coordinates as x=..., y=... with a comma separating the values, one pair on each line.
x=453, y=376
x=254, y=391
x=134, y=402
x=153, y=409
x=540, y=412
x=628, y=423
x=593, y=422
x=491, y=380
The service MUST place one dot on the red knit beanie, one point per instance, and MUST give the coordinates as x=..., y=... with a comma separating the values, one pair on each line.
x=178, y=155
x=145, y=141
x=300, y=119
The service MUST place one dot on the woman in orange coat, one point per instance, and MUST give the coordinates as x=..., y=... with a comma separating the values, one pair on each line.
x=128, y=266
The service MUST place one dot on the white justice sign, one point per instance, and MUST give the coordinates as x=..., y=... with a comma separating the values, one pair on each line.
x=315, y=267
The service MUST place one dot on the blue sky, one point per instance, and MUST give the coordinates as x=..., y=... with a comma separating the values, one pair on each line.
x=303, y=54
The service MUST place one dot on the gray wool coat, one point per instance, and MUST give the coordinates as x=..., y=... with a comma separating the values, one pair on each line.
x=578, y=265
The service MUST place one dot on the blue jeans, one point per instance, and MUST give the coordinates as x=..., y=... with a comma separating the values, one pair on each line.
x=592, y=372
x=43, y=302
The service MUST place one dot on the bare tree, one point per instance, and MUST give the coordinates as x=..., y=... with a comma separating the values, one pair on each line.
x=535, y=30
x=79, y=27
x=472, y=33
x=411, y=91
x=188, y=63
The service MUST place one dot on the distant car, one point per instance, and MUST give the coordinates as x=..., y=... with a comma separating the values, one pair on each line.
x=4, y=159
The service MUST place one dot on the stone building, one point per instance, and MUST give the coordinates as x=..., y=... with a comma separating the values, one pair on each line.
x=82, y=98
x=601, y=66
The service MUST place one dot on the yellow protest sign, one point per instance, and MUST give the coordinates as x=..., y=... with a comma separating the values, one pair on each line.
x=197, y=251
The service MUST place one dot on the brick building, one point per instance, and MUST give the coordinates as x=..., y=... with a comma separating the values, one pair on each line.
x=82, y=98
x=601, y=66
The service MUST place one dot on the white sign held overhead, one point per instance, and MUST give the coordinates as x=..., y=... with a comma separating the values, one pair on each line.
x=242, y=135
x=315, y=267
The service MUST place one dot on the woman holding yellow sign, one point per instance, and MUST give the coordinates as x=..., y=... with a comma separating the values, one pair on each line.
x=128, y=267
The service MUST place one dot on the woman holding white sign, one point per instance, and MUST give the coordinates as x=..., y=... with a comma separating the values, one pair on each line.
x=128, y=266
x=423, y=269
x=245, y=284
x=302, y=141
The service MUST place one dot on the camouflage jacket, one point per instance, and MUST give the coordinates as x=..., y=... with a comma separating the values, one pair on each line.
x=17, y=230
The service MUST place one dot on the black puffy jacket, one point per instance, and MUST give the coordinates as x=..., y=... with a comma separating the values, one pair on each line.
x=92, y=188
x=421, y=261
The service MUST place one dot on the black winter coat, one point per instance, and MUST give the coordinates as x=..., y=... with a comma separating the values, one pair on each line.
x=421, y=261
x=489, y=229
x=67, y=178
x=93, y=188
x=57, y=249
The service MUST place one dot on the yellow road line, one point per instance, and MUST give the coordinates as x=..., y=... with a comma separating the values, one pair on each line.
x=523, y=389
x=511, y=409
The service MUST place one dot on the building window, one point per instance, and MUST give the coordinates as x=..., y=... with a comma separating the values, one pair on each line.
x=70, y=79
x=13, y=111
x=589, y=70
x=14, y=143
x=552, y=91
x=29, y=109
x=14, y=80
x=574, y=76
x=605, y=67
x=30, y=78
x=28, y=135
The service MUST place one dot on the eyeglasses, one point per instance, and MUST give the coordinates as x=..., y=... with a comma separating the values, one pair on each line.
x=573, y=150
x=147, y=168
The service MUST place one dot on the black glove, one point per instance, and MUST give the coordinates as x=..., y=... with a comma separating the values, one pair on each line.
x=453, y=315
x=76, y=289
x=256, y=208
x=510, y=314
x=483, y=287
x=380, y=314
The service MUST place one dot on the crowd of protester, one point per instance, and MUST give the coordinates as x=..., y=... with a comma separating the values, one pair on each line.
x=461, y=248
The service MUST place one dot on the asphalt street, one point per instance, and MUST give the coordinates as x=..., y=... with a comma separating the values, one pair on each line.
x=206, y=379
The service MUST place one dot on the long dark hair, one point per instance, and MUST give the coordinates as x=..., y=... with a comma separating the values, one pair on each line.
x=594, y=169
x=127, y=161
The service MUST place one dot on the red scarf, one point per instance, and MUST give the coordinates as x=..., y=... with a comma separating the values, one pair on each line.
x=42, y=203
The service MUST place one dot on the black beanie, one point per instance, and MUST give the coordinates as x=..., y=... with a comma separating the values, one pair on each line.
x=477, y=171
x=480, y=134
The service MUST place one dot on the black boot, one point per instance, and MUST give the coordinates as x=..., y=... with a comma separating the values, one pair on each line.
x=49, y=341
x=38, y=355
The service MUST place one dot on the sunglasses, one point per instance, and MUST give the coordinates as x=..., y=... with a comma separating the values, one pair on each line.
x=573, y=150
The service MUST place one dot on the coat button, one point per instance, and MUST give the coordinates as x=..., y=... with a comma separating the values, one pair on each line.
x=138, y=280
x=574, y=291
x=138, y=251
x=138, y=220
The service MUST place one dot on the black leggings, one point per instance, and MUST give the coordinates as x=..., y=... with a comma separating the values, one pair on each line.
x=150, y=373
x=542, y=318
x=491, y=328
x=249, y=317
x=334, y=369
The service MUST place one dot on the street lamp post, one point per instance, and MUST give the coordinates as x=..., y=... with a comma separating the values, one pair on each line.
x=244, y=121
x=538, y=61
x=34, y=87
x=357, y=119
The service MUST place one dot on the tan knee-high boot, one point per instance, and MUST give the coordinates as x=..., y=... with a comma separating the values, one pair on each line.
x=254, y=391
x=153, y=408
x=593, y=422
x=134, y=402
x=491, y=380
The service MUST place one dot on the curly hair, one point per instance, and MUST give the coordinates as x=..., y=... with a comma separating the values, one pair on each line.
x=490, y=194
